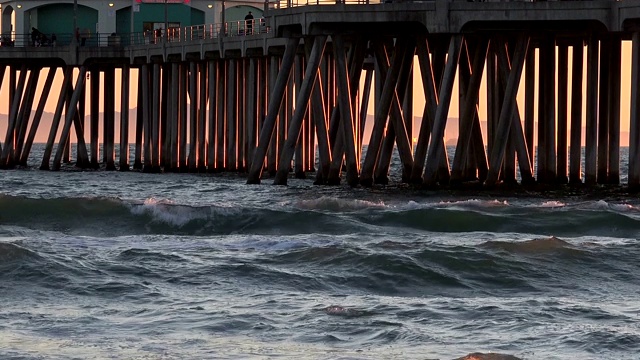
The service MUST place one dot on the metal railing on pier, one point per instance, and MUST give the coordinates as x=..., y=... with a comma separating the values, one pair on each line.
x=173, y=35
x=295, y=3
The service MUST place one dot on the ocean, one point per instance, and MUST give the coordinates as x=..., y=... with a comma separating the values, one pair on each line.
x=129, y=265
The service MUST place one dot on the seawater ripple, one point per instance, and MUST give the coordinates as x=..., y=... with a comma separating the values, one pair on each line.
x=326, y=276
x=113, y=216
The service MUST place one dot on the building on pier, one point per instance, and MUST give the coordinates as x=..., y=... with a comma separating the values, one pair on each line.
x=132, y=21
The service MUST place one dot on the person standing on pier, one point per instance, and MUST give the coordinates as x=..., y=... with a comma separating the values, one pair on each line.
x=248, y=20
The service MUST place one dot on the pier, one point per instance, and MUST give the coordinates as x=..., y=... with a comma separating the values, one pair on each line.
x=267, y=99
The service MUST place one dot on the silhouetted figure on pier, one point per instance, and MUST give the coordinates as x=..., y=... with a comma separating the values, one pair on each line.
x=248, y=20
x=36, y=36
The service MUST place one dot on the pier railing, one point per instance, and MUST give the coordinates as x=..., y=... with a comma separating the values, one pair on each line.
x=295, y=3
x=173, y=35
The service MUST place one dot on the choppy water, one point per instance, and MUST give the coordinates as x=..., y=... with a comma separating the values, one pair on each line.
x=109, y=265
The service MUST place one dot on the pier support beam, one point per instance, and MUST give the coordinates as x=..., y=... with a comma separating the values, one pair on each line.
x=302, y=103
x=563, y=89
x=55, y=122
x=507, y=113
x=275, y=101
x=590, y=164
x=614, y=111
x=575, y=175
x=6, y=157
x=124, y=120
x=213, y=100
x=436, y=143
x=634, y=126
x=69, y=120
x=38, y=116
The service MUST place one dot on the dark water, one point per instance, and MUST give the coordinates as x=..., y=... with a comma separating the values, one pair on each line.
x=108, y=265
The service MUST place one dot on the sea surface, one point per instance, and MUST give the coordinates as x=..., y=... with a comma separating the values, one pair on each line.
x=126, y=265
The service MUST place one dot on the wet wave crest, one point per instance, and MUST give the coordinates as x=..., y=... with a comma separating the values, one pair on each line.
x=101, y=216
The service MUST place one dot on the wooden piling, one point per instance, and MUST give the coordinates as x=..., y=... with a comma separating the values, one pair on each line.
x=575, y=175
x=275, y=101
x=124, y=120
x=634, y=121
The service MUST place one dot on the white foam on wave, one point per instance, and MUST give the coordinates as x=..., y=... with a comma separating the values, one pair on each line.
x=328, y=203
x=599, y=205
x=552, y=204
x=475, y=203
x=624, y=207
x=166, y=211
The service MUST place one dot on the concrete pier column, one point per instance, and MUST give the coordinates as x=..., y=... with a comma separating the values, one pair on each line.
x=591, y=139
x=516, y=142
x=397, y=131
x=165, y=105
x=251, y=108
x=182, y=118
x=299, y=155
x=389, y=78
x=272, y=155
x=232, y=116
x=508, y=111
x=302, y=103
x=124, y=119
x=6, y=157
x=94, y=116
x=634, y=121
x=38, y=115
x=563, y=89
x=275, y=102
x=109, y=117
x=22, y=122
x=66, y=155
x=354, y=60
x=492, y=95
x=202, y=111
x=575, y=175
x=146, y=116
x=436, y=148
x=81, y=116
x=468, y=106
x=398, y=119
x=174, y=114
x=55, y=122
x=155, y=104
x=263, y=96
x=614, y=110
x=69, y=116
x=211, y=117
x=193, y=115
x=344, y=101
x=547, y=112
x=529, y=102
x=319, y=118
x=364, y=106
x=137, y=161
x=603, y=109
x=221, y=115
x=429, y=112
x=241, y=128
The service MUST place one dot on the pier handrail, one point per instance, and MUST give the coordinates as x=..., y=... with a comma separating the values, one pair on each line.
x=283, y=4
x=178, y=34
